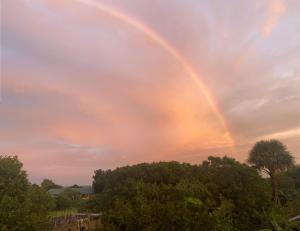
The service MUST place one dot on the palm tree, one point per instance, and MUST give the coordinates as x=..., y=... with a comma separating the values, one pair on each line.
x=271, y=157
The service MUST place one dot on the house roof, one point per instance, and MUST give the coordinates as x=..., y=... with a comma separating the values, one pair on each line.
x=55, y=191
x=84, y=190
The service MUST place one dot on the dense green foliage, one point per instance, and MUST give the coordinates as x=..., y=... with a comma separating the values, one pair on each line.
x=220, y=194
x=289, y=185
x=68, y=199
x=22, y=206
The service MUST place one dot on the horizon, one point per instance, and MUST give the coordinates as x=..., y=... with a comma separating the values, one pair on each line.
x=70, y=184
x=91, y=84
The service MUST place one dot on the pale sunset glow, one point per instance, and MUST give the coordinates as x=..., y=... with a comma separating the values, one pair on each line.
x=90, y=84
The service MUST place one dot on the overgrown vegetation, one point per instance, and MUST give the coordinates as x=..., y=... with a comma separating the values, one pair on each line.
x=218, y=194
x=23, y=206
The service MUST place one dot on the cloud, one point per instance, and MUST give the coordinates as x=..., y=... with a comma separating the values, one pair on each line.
x=283, y=134
x=276, y=9
x=82, y=90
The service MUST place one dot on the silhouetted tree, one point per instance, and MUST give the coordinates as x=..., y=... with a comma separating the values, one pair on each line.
x=271, y=157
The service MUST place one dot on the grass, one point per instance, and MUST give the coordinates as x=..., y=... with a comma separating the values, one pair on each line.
x=62, y=213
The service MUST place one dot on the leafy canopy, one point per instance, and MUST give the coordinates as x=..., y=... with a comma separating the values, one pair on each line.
x=270, y=156
x=22, y=206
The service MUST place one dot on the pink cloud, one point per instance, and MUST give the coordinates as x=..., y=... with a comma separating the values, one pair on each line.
x=276, y=9
x=83, y=91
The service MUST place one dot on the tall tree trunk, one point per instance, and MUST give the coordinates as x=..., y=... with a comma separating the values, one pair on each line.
x=274, y=188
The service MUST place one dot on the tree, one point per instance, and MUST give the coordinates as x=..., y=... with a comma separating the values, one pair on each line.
x=271, y=157
x=69, y=198
x=13, y=185
x=289, y=185
x=22, y=206
x=221, y=194
x=49, y=184
x=240, y=194
x=63, y=202
x=40, y=204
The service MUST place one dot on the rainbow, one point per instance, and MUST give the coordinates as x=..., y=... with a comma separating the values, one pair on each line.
x=169, y=48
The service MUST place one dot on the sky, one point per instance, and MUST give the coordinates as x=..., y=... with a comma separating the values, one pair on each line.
x=99, y=84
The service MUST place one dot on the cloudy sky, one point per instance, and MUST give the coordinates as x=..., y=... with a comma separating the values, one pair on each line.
x=89, y=84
